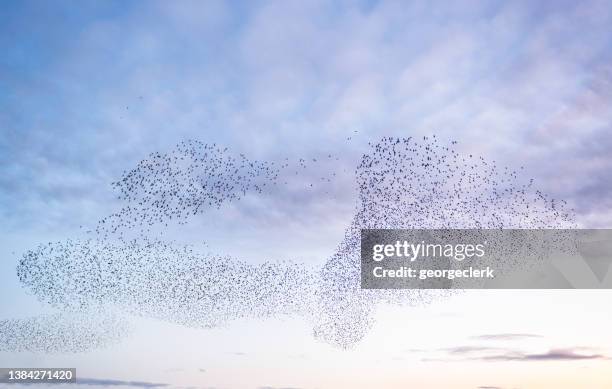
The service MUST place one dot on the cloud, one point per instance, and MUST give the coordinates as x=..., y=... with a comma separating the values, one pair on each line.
x=294, y=78
x=502, y=354
x=110, y=382
x=552, y=355
x=488, y=354
x=278, y=387
x=415, y=350
x=174, y=370
x=460, y=350
x=504, y=337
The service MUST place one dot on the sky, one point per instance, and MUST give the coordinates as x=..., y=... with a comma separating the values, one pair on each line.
x=87, y=91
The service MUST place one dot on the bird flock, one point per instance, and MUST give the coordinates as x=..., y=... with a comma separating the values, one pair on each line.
x=400, y=183
x=185, y=182
x=408, y=183
x=63, y=332
x=154, y=278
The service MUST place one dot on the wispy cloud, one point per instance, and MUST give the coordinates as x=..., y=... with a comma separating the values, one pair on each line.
x=500, y=354
x=278, y=387
x=507, y=336
x=297, y=77
x=461, y=350
x=111, y=382
x=552, y=355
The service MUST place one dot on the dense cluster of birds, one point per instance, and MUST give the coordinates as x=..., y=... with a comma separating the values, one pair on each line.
x=62, y=332
x=186, y=181
x=401, y=183
x=408, y=183
x=159, y=279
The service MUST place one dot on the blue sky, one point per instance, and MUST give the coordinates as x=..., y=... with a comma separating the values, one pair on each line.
x=88, y=90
